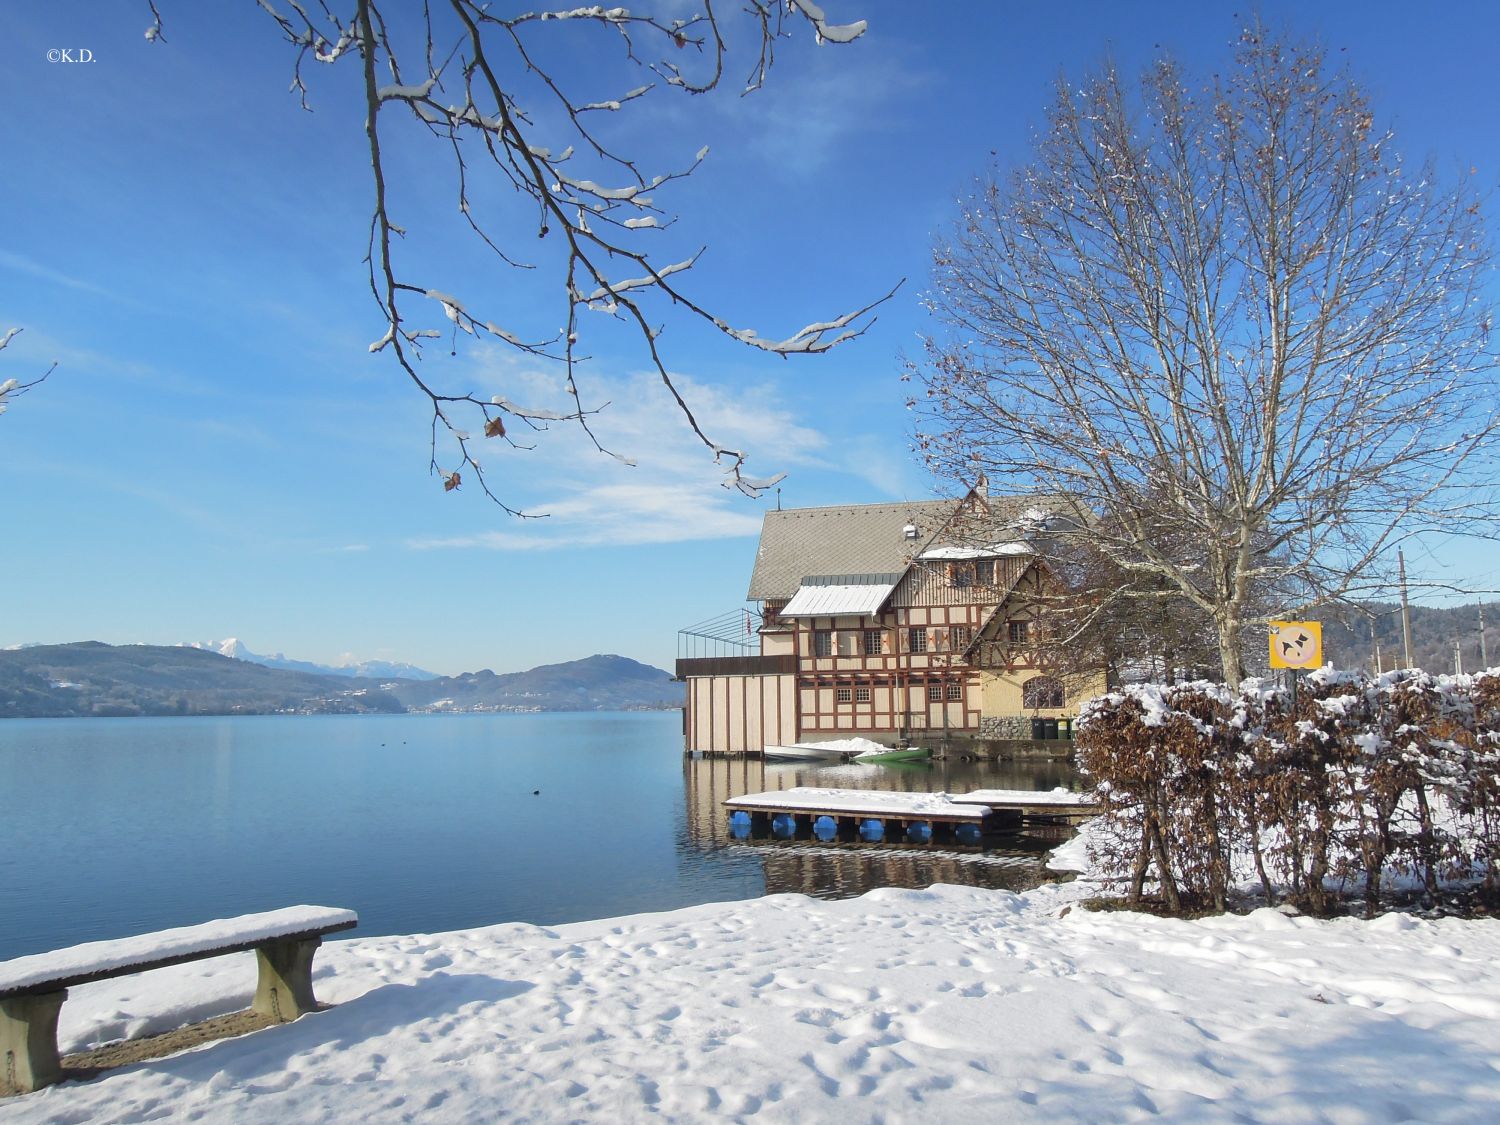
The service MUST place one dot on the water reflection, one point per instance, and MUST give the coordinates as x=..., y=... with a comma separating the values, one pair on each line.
x=842, y=871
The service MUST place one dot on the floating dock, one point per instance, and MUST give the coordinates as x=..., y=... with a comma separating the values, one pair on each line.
x=1054, y=803
x=884, y=816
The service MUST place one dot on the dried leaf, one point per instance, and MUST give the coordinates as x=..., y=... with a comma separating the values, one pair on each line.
x=450, y=482
x=494, y=428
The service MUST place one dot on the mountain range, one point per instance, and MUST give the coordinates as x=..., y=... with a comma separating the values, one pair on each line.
x=89, y=678
x=359, y=669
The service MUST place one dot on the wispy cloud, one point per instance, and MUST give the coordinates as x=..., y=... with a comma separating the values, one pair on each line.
x=798, y=121
x=674, y=492
x=21, y=264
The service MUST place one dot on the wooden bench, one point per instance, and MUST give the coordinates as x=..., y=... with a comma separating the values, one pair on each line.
x=32, y=989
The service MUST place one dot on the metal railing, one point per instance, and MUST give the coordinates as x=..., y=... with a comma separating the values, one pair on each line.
x=736, y=633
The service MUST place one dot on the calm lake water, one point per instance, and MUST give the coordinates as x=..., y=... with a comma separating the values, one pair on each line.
x=422, y=823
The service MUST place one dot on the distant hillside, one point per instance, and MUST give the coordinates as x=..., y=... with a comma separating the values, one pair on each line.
x=596, y=683
x=1347, y=641
x=89, y=678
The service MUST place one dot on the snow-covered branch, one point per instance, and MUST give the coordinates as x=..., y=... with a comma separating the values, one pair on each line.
x=476, y=82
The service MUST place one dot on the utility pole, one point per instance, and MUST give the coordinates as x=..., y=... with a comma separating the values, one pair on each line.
x=1405, y=608
x=1458, y=658
x=1484, y=652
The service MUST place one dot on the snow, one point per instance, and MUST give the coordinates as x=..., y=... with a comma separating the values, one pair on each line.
x=949, y=1004
x=1012, y=547
x=1058, y=796
x=874, y=802
x=105, y=956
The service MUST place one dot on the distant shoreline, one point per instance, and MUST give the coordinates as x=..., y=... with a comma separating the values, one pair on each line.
x=416, y=711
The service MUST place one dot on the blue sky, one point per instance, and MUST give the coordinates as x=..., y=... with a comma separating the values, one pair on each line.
x=219, y=455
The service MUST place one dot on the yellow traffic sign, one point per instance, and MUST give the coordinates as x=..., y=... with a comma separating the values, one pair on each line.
x=1296, y=644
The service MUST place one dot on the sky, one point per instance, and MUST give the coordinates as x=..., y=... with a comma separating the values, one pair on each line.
x=218, y=453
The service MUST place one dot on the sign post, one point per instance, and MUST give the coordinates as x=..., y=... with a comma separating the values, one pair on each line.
x=1296, y=646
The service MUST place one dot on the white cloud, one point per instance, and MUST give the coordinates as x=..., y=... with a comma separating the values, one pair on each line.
x=798, y=120
x=673, y=493
x=22, y=264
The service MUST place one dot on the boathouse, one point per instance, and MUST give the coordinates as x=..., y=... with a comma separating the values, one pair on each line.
x=902, y=622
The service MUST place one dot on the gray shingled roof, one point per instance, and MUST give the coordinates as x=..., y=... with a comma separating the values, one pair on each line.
x=854, y=539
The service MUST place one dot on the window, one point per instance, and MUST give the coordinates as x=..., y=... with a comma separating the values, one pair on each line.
x=916, y=640
x=1042, y=691
x=955, y=691
x=934, y=693
x=769, y=616
x=861, y=695
x=961, y=574
x=959, y=637
x=843, y=694
x=822, y=643
x=1020, y=632
x=874, y=642
x=984, y=572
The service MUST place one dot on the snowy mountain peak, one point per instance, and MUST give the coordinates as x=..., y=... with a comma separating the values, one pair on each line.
x=235, y=649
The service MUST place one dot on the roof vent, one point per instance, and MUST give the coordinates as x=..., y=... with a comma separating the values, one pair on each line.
x=910, y=531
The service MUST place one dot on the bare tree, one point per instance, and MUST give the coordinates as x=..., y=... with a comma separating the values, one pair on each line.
x=12, y=389
x=499, y=110
x=1231, y=317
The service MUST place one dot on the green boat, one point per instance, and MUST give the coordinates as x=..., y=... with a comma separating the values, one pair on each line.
x=910, y=754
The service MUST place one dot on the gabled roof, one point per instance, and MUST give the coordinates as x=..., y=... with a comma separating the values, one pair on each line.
x=865, y=540
x=850, y=539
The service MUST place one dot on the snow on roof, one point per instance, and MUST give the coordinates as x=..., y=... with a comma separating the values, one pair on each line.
x=1015, y=547
x=185, y=941
x=864, y=600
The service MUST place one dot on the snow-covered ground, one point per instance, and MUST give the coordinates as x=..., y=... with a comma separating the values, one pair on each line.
x=946, y=1005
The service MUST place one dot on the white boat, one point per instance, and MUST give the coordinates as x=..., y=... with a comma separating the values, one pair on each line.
x=801, y=753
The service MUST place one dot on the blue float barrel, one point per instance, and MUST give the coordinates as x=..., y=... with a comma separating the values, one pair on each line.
x=783, y=826
x=825, y=828
x=872, y=831
x=919, y=832
x=739, y=824
x=967, y=834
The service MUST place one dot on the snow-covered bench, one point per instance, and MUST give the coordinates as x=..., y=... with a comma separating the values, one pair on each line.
x=32, y=989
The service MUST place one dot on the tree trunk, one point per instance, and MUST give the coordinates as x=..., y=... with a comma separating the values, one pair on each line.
x=1228, y=623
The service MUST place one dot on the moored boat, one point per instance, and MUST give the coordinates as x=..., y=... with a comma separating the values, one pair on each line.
x=909, y=754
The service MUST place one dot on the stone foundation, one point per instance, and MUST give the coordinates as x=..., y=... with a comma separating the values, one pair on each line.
x=1005, y=726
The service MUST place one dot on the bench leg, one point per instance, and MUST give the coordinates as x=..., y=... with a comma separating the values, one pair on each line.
x=28, y=1040
x=285, y=989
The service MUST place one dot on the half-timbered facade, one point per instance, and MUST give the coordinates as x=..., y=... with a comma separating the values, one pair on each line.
x=893, y=622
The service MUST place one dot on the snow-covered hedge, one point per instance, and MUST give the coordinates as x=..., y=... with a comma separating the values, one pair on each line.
x=1355, y=778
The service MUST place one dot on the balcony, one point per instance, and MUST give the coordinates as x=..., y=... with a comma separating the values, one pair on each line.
x=736, y=666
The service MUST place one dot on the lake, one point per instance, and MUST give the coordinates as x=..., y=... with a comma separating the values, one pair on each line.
x=421, y=823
